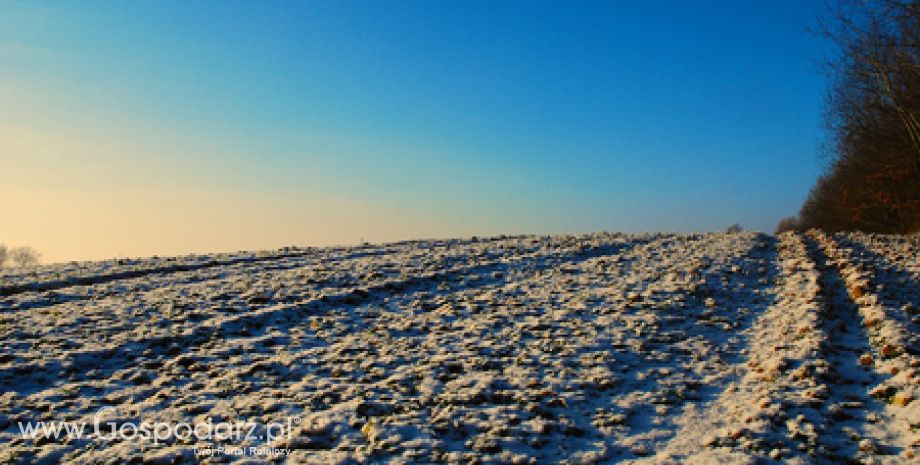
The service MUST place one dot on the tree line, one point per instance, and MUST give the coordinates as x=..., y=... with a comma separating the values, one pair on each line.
x=872, y=180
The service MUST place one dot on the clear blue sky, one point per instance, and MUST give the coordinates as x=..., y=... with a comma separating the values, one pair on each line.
x=325, y=122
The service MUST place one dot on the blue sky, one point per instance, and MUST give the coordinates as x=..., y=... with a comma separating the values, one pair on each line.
x=327, y=122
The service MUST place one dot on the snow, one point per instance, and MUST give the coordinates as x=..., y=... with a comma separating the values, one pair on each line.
x=597, y=348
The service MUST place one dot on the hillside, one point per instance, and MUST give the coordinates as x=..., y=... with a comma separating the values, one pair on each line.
x=599, y=348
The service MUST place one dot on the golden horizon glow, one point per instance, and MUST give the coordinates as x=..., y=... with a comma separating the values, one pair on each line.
x=72, y=200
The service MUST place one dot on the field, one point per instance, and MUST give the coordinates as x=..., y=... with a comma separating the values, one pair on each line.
x=599, y=348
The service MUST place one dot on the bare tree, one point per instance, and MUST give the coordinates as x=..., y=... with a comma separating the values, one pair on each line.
x=734, y=229
x=873, y=117
x=24, y=256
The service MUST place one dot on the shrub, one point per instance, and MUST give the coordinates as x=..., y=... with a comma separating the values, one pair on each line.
x=790, y=223
x=24, y=256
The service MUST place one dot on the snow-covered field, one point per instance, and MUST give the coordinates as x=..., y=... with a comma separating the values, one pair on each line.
x=600, y=348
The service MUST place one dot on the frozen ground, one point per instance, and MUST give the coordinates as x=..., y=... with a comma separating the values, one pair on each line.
x=601, y=348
